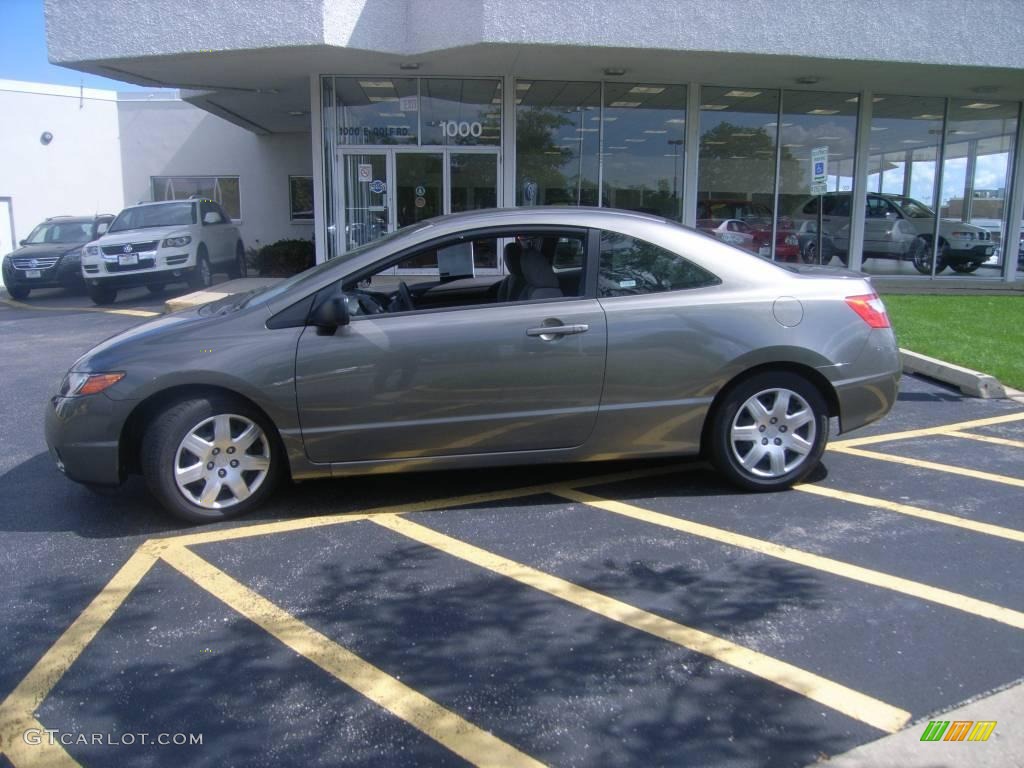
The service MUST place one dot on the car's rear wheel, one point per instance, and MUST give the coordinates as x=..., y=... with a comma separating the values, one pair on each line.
x=769, y=431
x=921, y=255
x=18, y=291
x=238, y=268
x=102, y=294
x=201, y=276
x=965, y=267
x=210, y=458
x=810, y=254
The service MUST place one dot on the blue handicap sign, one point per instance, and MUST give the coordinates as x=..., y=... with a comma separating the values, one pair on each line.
x=819, y=169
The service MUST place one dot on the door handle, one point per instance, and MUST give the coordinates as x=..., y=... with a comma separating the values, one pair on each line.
x=549, y=332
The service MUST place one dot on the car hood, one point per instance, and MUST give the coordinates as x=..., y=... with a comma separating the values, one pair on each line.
x=140, y=235
x=45, y=249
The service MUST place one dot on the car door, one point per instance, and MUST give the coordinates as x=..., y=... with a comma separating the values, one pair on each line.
x=488, y=378
x=215, y=231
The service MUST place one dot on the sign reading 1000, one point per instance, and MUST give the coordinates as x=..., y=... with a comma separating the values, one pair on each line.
x=453, y=129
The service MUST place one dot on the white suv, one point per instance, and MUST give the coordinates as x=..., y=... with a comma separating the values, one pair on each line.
x=153, y=244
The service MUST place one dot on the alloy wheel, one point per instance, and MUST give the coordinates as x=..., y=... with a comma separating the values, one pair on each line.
x=773, y=432
x=222, y=461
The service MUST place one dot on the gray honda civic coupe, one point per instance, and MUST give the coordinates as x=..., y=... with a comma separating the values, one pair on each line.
x=500, y=337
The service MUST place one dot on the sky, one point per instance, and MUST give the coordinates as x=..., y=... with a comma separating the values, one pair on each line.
x=23, y=50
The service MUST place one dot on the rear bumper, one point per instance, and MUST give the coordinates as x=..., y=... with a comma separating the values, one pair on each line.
x=867, y=388
x=82, y=434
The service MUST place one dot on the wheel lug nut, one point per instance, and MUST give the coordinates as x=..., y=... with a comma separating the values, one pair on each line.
x=764, y=441
x=777, y=442
x=774, y=420
x=231, y=449
x=762, y=428
x=210, y=465
x=216, y=451
x=222, y=472
x=782, y=428
x=234, y=463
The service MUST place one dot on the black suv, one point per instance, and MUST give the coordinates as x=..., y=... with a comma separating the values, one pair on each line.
x=51, y=256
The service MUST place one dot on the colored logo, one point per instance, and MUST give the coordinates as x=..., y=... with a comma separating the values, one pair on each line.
x=377, y=186
x=958, y=730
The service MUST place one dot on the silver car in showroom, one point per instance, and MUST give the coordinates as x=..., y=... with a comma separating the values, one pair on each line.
x=613, y=335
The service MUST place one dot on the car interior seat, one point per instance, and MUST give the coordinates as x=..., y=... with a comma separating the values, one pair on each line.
x=539, y=278
x=510, y=288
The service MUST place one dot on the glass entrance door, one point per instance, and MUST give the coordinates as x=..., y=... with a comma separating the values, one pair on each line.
x=367, y=199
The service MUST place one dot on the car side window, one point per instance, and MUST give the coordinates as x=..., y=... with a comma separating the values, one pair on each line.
x=205, y=209
x=632, y=267
x=541, y=264
x=223, y=214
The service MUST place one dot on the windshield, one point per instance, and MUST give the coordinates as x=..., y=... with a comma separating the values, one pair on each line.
x=63, y=233
x=912, y=209
x=161, y=215
x=310, y=275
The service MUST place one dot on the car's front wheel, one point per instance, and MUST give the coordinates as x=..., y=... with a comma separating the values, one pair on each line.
x=102, y=294
x=210, y=458
x=18, y=291
x=769, y=431
x=201, y=275
x=238, y=268
x=965, y=267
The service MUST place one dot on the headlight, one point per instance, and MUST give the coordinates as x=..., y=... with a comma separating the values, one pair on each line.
x=76, y=384
x=963, y=235
x=792, y=240
x=177, y=242
x=75, y=254
x=92, y=250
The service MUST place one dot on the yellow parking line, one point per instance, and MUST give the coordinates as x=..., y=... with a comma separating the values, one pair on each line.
x=986, y=439
x=39, y=753
x=131, y=312
x=922, y=464
x=852, y=703
x=442, y=725
x=906, y=509
x=819, y=562
x=37, y=684
x=942, y=429
x=284, y=526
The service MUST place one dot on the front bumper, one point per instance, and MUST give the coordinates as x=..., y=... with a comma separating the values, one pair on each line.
x=967, y=253
x=165, y=267
x=83, y=434
x=66, y=273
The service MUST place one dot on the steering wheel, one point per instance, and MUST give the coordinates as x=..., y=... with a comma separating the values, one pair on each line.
x=405, y=298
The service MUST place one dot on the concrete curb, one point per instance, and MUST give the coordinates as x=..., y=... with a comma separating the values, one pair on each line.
x=217, y=292
x=906, y=750
x=973, y=383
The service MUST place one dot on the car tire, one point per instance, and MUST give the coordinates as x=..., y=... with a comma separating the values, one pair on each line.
x=921, y=255
x=201, y=276
x=188, y=437
x=778, y=453
x=965, y=267
x=156, y=289
x=810, y=254
x=238, y=268
x=18, y=292
x=102, y=294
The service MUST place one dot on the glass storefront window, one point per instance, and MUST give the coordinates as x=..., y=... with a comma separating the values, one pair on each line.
x=818, y=133
x=377, y=110
x=977, y=168
x=902, y=186
x=462, y=112
x=557, y=142
x=736, y=182
x=643, y=156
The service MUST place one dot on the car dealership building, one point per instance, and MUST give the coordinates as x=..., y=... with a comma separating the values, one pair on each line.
x=784, y=126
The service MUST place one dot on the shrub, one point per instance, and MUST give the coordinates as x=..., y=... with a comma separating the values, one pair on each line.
x=285, y=258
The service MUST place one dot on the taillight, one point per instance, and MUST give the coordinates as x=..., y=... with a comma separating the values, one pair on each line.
x=870, y=308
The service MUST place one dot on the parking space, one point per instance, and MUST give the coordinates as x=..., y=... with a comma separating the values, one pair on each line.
x=627, y=614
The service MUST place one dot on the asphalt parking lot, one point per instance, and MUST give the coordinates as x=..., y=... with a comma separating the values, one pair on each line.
x=620, y=614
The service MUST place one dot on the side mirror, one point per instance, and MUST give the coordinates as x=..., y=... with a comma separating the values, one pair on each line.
x=331, y=314
x=23, y=243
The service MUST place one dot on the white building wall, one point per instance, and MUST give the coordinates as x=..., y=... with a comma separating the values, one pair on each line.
x=167, y=137
x=77, y=173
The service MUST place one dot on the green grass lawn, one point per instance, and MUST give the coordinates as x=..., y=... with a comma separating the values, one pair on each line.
x=985, y=333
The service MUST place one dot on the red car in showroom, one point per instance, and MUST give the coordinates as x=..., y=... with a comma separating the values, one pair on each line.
x=748, y=225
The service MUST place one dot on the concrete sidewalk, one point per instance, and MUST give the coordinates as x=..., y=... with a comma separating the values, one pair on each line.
x=219, y=291
x=1005, y=747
